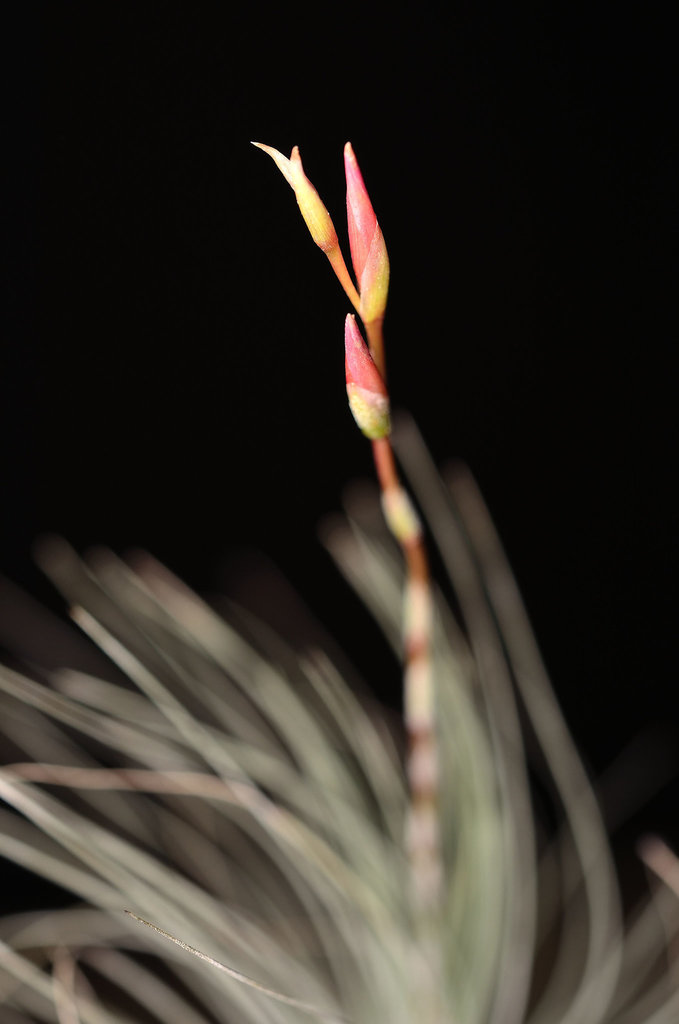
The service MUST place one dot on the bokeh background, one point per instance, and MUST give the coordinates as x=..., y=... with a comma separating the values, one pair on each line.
x=173, y=353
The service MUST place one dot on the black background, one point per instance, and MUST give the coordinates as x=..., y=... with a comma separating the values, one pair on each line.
x=173, y=342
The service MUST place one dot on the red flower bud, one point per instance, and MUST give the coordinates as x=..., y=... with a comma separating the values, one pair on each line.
x=368, y=251
x=366, y=390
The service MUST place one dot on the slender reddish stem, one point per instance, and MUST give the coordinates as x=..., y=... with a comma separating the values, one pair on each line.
x=375, y=333
x=422, y=765
x=339, y=266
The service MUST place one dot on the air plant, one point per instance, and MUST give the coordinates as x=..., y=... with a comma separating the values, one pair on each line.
x=278, y=855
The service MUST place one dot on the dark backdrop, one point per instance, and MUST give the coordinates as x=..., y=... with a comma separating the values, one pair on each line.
x=173, y=346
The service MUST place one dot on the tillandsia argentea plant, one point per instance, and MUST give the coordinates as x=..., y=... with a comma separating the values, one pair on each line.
x=278, y=857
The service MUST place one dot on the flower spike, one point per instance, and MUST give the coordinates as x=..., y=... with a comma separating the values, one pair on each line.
x=366, y=390
x=368, y=251
x=316, y=216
